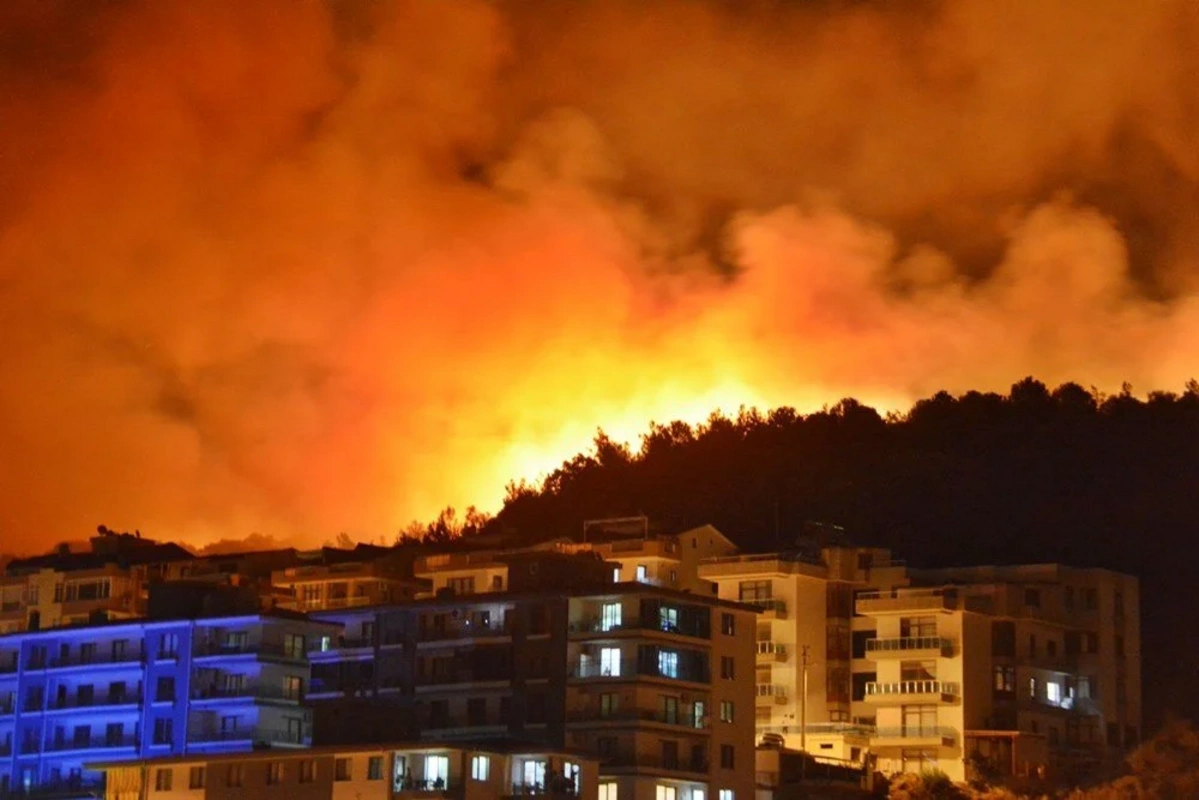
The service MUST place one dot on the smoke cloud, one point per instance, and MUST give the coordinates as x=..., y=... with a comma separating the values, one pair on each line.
x=300, y=268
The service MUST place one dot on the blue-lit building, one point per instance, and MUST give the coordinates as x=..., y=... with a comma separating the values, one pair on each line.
x=149, y=688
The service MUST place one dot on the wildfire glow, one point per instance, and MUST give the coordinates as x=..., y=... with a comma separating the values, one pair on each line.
x=300, y=269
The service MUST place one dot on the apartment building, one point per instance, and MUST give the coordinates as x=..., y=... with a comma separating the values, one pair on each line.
x=661, y=559
x=322, y=587
x=378, y=772
x=108, y=582
x=1025, y=670
x=806, y=630
x=647, y=679
x=133, y=690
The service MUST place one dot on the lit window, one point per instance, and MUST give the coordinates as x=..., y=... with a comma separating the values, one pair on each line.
x=1032, y=687
x=607, y=791
x=668, y=663
x=726, y=794
x=610, y=661
x=571, y=772
x=668, y=618
x=437, y=771
x=1053, y=692
x=534, y=774
x=480, y=768
x=642, y=573
x=666, y=793
x=726, y=710
x=610, y=617
x=697, y=794
x=616, y=574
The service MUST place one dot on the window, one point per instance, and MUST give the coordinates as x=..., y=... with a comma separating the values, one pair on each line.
x=374, y=768
x=1032, y=687
x=609, y=704
x=750, y=591
x=368, y=632
x=1068, y=597
x=169, y=645
x=919, y=720
x=607, y=791
x=726, y=710
x=294, y=646
x=1005, y=679
x=234, y=776
x=162, y=730
x=917, y=670
x=162, y=779
x=858, y=641
x=670, y=709
x=727, y=670
x=307, y=770
x=461, y=585
x=480, y=768
x=917, y=626
x=118, y=649
x=1119, y=604
x=195, y=778
x=534, y=773
x=664, y=792
x=1090, y=599
x=293, y=687
x=437, y=771
x=610, y=616
x=670, y=753
x=668, y=663
x=699, y=710
x=570, y=771
x=610, y=661
x=728, y=624
x=274, y=773
x=726, y=756
x=726, y=794
x=616, y=574
x=1053, y=692
x=668, y=618
x=642, y=573
x=476, y=711
x=674, y=577
x=697, y=794
x=1032, y=597
x=341, y=769
x=858, y=685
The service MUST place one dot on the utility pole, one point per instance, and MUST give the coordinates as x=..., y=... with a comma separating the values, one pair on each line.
x=803, y=701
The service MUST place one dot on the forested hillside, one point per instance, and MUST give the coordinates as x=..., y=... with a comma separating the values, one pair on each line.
x=1038, y=475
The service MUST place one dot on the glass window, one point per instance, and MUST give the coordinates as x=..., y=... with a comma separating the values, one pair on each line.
x=162, y=779
x=571, y=772
x=610, y=661
x=727, y=668
x=480, y=767
x=666, y=793
x=668, y=663
x=1053, y=692
x=274, y=773
x=728, y=626
x=610, y=616
x=341, y=769
x=749, y=591
x=642, y=573
x=616, y=574
x=374, y=768
x=234, y=776
x=668, y=618
x=726, y=710
x=607, y=791
x=534, y=773
x=195, y=778
x=726, y=756
x=437, y=771
x=307, y=770
x=726, y=794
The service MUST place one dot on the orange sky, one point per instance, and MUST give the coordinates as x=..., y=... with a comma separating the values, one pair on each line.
x=305, y=268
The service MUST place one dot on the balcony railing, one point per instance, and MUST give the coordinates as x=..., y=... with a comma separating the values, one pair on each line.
x=251, y=690
x=92, y=743
x=631, y=669
x=54, y=789
x=906, y=644
x=945, y=734
x=769, y=607
x=638, y=715
x=654, y=762
x=907, y=600
x=95, y=659
x=264, y=735
x=775, y=690
x=917, y=687
x=130, y=698
x=208, y=648
x=465, y=631
x=774, y=650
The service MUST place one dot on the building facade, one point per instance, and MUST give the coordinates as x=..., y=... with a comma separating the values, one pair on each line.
x=131, y=690
x=379, y=772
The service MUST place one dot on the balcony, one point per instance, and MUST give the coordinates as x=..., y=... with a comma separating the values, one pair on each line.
x=902, y=600
x=95, y=660
x=93, y=743
x=266, y=736
x=131, y=698
x=252, y=691
x=772, y=651
x=64, y=789
x=621, y=760
x=627, y=715
x=776, y=690
x=629, y=669
x=466, y=630
x=769, y=608
x=917, y=736
x=909, y=647
x=929, y=691
x=212, y=649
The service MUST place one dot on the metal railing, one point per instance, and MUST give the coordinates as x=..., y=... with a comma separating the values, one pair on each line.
x=876, y=689
x=96, y=659
x=255, y=690
x=771, y=690
x=918, y=732
x=131, y=697
x=465, y=631
x=775, y=649
x=769, y=606
x=265, y=735
x=679, y=718
x=904, y=644
x=92, y=743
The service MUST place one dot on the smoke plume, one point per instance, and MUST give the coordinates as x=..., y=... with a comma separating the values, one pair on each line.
x=300, y=268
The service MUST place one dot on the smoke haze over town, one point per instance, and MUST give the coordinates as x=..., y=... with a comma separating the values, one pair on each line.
x=300, y=268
